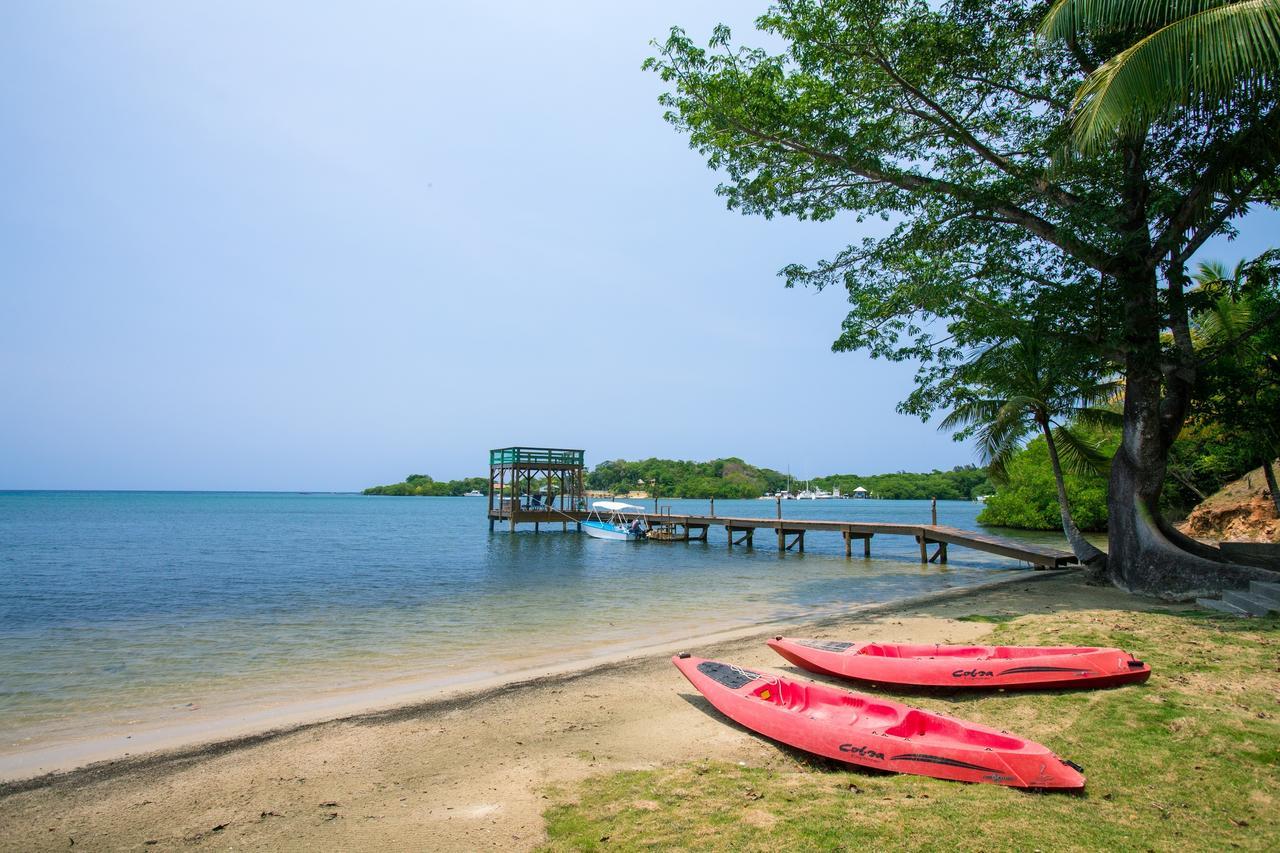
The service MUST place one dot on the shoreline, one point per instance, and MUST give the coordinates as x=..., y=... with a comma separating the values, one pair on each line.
x=478, y=769
x=187, y=741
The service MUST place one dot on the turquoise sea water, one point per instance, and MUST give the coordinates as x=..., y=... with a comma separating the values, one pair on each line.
x=128, y=604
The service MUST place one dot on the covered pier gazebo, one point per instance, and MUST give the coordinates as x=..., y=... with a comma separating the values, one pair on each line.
x=536, y=484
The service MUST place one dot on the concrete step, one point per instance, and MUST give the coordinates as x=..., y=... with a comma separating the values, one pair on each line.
x=1247, y=602
x=1221, y=607
x=1268, y=591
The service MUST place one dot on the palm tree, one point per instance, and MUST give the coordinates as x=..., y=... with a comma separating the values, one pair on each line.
x=1025, y=386
x=1188, y=53
x=1236, y=297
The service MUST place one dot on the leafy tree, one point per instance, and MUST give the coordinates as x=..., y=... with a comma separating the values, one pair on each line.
x=1176, y=55
x=719, y=478
x=1029, y=497
x=962, y=483
x=1029, y=385
x=1240, y=393
x=949, y=121
x=421, y=485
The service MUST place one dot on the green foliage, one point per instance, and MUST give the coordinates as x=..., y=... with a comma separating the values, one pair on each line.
x=1186, y=761
x=719, y=478
x=1181, y=54
x=733, y=478
x=962, y=483
x=423, y=486
x=1031, y=383
x=1029, y=500
x=951, y=121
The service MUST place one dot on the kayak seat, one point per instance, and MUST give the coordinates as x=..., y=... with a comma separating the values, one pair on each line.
x=789, y=694
x=1013, y=652
x=902, y=650
x=916, y=723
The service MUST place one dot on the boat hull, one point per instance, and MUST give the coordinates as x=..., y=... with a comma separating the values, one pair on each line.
x=605, y=530
x=872, y=732
x=968, y=667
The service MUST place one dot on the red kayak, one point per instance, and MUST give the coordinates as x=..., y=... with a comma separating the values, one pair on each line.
x=1008, y=667
x=874, y=732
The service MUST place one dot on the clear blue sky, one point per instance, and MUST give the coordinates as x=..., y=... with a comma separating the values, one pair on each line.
x=252, y=245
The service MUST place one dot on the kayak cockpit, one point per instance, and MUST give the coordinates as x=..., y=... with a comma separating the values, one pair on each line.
x=901, y=650
x=921, y=724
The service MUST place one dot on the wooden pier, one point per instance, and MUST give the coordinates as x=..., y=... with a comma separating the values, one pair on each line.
x=790, y=533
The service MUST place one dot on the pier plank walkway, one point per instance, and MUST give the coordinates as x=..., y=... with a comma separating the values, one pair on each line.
x=741, y=530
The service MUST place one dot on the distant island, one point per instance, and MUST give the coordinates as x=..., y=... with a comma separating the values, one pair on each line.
x=726, y=479
x=422, y=485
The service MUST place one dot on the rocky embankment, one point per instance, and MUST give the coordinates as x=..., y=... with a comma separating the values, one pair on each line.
x=1242, y=511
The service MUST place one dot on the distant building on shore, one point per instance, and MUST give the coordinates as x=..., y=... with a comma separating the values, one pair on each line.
x=860, y=493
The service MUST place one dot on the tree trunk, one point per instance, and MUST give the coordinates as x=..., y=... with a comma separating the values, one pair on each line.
x=1145, y=554
x=1269, y=471
x=1084, y=550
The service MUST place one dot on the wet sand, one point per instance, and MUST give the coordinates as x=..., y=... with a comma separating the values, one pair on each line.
x=468, y=770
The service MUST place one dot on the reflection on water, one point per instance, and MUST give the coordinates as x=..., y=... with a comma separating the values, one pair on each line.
x=124, y=603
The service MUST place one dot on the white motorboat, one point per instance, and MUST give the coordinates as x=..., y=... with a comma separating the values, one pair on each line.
x=615, y=520
x=474, y=493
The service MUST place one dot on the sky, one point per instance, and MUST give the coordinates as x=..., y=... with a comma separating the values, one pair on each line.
x=320, y=246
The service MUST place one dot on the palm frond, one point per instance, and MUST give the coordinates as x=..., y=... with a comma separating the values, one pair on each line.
x=969, y=413
x=1224, y=324
x=1069, y=19
x=1078, y=454
x=1209, y=55
x=1002, y=435
x=1210, y=273
x=1106, y=392
x=1104, y=418
x=998, y=466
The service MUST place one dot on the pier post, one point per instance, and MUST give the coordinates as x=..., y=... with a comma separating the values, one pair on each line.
x=729, y=530
x=713, y=507
x=866, y=546
x=779, y=500
x=491, y=525
x=848, y=544
x=924, y=549
x=934, y=507
x=782, y=535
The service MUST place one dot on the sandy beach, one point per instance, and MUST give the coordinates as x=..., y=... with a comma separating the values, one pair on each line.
x=470, y=770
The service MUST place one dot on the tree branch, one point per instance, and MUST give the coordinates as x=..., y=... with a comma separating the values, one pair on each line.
x=1242, y=148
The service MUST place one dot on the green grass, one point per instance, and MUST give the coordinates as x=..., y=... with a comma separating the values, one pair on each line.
x=1186, y=761
x=984, y=617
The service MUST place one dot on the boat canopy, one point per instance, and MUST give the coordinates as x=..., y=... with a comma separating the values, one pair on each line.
x=615, y=506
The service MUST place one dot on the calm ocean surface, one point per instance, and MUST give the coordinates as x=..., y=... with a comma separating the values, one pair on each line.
x=125, y=605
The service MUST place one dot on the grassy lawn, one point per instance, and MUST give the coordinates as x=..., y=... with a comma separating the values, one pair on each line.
x=1186, y=761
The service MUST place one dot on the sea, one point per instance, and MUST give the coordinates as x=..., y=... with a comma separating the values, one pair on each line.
x=137, y=609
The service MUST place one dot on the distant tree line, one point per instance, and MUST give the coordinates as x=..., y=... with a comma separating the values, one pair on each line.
x=734, y=478
x=727, y=479
x=719, y=478
x=961, y=483
x=421, y=484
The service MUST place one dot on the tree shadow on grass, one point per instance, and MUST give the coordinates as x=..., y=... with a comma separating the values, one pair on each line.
x=1228, y=624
